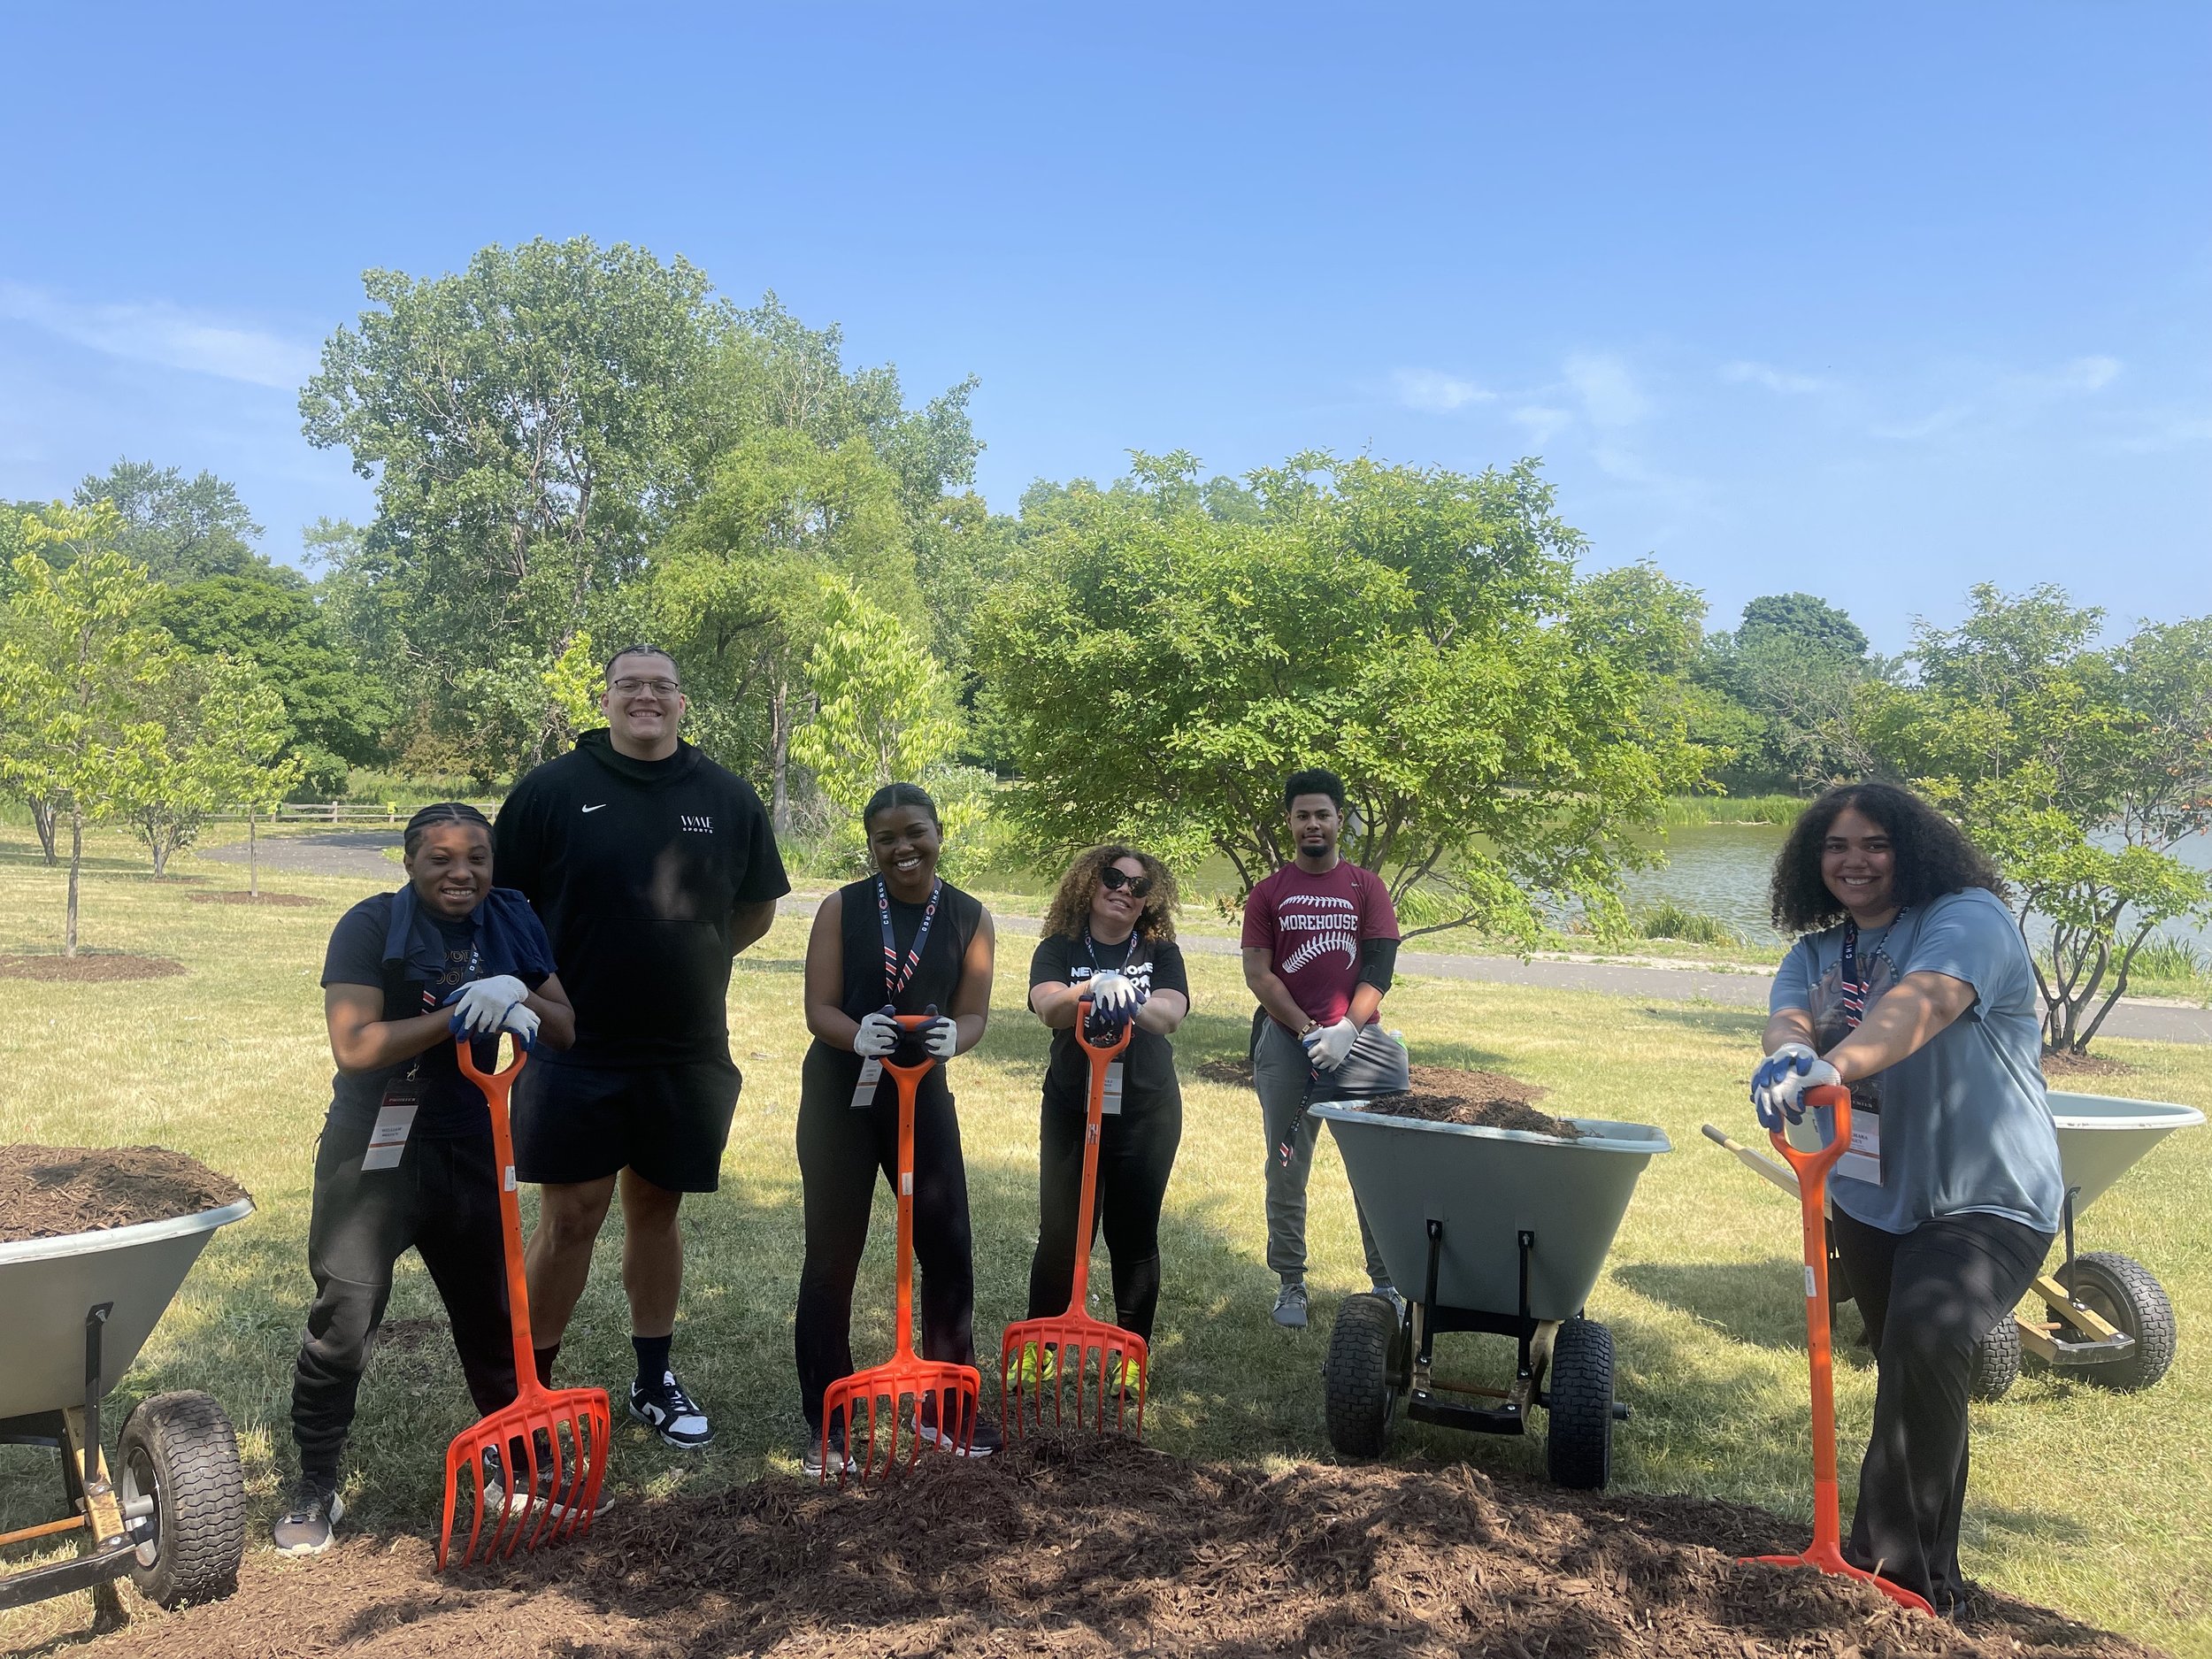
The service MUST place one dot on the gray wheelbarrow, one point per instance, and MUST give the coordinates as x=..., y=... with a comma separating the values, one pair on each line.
x=1501, y=1232
x=75, y=1310
x=2103, y=1314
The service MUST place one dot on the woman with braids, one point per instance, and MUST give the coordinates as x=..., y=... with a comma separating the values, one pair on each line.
x=1910, y=985
x=406, y=1157
x=1110, y=934
x=903, y=940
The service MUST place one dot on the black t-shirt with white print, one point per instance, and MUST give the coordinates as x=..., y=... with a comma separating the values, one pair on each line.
x=1149, y=1062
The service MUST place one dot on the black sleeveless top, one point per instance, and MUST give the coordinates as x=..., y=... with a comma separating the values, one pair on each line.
x=936, y=977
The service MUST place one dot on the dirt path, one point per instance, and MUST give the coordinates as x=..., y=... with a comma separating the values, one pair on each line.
x=327, y=853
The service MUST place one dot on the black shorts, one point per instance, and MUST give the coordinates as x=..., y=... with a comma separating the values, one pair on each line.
x=584, y=1122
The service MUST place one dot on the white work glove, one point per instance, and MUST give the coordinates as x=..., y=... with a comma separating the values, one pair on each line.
x=941, y=1037
x=481, y=1005
x=877, y=1035
x=522, y=1019
x=1778, y=1087
x=1112, y=990
x=1327, y=1046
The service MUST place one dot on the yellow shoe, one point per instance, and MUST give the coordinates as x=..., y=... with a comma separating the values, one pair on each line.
x=1033, y=1372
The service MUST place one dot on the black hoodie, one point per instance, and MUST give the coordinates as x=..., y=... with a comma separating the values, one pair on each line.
x=635, y=866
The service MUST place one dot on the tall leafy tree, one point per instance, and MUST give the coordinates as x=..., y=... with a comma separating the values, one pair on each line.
x=1421, y=630
x=1800, y=676
x=529, y=424
x=77, y=658
x=181, y=529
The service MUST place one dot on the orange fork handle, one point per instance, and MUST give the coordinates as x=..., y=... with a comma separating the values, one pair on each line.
x=1812, y=1192
x=909, y=1078
x=1101, y=1057
x=497, y=1087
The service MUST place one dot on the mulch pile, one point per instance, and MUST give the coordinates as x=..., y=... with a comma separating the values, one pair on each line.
x=1444, y=1095
x=48, y=1192
x=253, y=898
x=1108, y=1548
x=86, y=965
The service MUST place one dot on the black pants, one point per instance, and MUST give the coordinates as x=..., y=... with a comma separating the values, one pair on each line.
x=443, y=1200
x=1929, y=1297
x=841, y=1152
x=1136, y=1152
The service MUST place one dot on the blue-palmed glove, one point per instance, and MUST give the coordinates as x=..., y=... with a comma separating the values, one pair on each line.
x=941, y=1037
x=1778, y=1087
x=877, y=1035
x=1103, y=1023
x=481, y=1005
x=1113, y=990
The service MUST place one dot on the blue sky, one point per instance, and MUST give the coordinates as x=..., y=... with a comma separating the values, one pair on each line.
x=1875, y=301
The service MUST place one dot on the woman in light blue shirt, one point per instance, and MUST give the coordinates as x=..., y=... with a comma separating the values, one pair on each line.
x=1910, y=984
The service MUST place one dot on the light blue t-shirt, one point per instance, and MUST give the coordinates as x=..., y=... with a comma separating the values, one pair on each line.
x=1965, y=1126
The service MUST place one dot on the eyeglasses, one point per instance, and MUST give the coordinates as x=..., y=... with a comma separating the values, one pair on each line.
x=1113, y=879
x=658, y=688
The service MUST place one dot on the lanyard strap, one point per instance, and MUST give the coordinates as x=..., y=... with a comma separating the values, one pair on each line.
x=1852, y=986
x=1127, y=956
x=898, y=976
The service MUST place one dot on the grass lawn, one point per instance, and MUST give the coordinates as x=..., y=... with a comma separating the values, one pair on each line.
x=2097, y=1503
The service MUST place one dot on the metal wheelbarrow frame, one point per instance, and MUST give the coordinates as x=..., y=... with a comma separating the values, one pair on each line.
x=76, y=1309
x=1504, y=1232
x=2105, y=1314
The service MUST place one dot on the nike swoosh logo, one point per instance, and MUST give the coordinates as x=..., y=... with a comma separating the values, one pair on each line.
x=595, y=808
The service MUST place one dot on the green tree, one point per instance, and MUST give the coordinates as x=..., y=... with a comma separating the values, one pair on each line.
x=1801, y=678
x=881, y=704
x=1420, y=631
x=529, y=424
x=243, y=733
x=2080, y=770
x=181, y=529
x=1802, y=621
x=75, y=659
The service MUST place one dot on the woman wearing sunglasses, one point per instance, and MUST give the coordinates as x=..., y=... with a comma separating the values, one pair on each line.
x=1110, y=934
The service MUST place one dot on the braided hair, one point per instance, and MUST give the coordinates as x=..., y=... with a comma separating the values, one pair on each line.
x=442, y=812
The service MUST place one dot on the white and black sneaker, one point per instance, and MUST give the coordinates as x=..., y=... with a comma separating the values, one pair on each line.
x=669, y=1412
x=556, y=1486
x=983, y=1439
x=310, y=1522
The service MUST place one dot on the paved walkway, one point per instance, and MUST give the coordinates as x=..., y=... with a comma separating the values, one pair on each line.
x=361, y=853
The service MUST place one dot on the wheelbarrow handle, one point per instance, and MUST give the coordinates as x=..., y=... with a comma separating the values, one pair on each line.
x=1104, y=1051
x=1819, y=1163
x=463, y=1051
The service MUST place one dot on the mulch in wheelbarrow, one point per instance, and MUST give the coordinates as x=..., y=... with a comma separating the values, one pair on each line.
x=47, y=1192
x=1107, y=1547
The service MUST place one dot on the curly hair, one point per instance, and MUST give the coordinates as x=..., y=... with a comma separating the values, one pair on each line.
x=1071, y=910
x=1932, y=856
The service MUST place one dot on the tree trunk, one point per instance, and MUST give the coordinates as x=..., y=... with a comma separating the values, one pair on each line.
x=779, y=758
x=163, y=843
x=76, y=860
x=42, y=817
x=253, y=849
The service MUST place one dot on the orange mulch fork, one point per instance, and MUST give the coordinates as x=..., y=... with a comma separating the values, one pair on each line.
x=955, y=1392
x=1065, y=1346
x=1825, y=1552
x=572, y=1427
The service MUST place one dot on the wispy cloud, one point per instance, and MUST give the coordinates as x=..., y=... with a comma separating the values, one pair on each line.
x=1540, y=421
x=1984, y=400
x=1609, y=389
x=1743, y=372
x=160, y=333
x=1435, y=393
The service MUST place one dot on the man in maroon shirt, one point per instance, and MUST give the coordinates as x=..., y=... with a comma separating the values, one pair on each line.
x=1320, y=941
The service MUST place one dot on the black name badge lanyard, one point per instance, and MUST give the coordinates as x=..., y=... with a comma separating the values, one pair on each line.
x=1115, y=1077
x=898, y=976
x=1863, y=1162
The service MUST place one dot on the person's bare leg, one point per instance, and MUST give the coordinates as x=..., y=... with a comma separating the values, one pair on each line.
x=652, y=1255
x=559, y=1260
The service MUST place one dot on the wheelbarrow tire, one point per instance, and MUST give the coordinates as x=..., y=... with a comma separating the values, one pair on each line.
x=182, y=1447
x=1361, y=1376
x=2123, y=1292
x=1996, y=1362
x=1579, y=1397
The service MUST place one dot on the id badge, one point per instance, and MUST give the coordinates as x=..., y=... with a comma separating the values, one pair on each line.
x=1111, y=1107
x=1863, y=1162
x=395, y=1118
x=864, y=1091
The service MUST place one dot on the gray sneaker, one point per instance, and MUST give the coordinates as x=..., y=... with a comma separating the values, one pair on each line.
x=1290, y=1305
x=310, y=1520
x=1388, y=1292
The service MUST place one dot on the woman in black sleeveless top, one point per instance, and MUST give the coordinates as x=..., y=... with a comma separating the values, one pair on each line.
x=906, y=939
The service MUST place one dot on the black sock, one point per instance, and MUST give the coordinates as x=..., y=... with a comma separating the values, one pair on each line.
x=320, y=1471
x=545, y=1357
x=652, y=1358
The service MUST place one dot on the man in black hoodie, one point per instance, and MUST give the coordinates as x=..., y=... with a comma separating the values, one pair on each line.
x=651, y=868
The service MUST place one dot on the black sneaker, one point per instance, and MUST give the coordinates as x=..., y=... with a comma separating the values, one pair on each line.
x=310, y=1522
x=986, y=1439
x=555, y=1486
x=1290, y=1305
x=669, y=1412
x=810, y=1461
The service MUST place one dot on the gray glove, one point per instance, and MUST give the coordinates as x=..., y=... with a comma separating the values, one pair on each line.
x=877, y=1035
x=481, y=1005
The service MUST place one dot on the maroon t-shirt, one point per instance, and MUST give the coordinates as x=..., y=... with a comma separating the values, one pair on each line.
x=1312, y=925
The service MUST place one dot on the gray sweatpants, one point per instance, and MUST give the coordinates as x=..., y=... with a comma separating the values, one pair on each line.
x=1286, y=1085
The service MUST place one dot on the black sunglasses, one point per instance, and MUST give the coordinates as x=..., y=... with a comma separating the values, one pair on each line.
x=1113, y=878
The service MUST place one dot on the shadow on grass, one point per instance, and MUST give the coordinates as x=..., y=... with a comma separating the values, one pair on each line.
x=1760, y=1302
x=1721, y=1022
